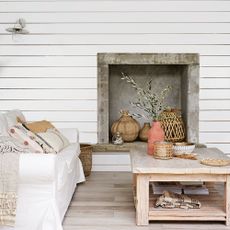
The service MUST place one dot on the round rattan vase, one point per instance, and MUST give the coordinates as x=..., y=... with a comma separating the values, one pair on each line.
x=127, y=126
x=86, y=158
x=173, y=125
x=156, y=133
x=143, y=134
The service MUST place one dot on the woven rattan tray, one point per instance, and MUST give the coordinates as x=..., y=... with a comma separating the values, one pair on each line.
x=215, y=162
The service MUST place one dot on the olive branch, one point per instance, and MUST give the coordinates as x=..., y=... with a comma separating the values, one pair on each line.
x=147, y=100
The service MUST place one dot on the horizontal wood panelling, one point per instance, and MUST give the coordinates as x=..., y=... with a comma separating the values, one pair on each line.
x=49, y=61
x=111, y=159
x=215, y=104
x=52, y=105
x=58, y=71
x=88, y=137
x=62, y=116
x=210, y=126
x=51, y=73
x=77, y=50
x=49, y=83
x=215, y=116
x=90, y=60
x=214, y=94
x=215, y=138
x=47, y=94
x=90, y=127
x=79, y=6
x=215, y=61
x=214, y=83
x=112, y=17
x=213, y=71
x=126, y=28
x=106, y=168
x=172, y=39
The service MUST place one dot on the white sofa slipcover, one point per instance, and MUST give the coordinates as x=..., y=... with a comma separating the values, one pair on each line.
x=46, y=185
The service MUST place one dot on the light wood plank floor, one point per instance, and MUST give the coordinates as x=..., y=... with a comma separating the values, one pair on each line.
x=105, y=202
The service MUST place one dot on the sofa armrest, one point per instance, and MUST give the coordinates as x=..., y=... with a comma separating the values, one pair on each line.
x=35, y=168
x=72, y=134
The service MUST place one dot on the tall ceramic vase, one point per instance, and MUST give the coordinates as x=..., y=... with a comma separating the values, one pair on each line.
x=156, y=133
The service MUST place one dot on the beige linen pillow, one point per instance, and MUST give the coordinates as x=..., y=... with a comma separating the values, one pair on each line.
x=55, y=139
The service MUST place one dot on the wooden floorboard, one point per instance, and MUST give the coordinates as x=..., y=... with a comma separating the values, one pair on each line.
x=105, y=202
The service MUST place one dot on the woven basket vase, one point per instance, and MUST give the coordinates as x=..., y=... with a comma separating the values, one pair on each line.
x=86, y=158
x=173, y=125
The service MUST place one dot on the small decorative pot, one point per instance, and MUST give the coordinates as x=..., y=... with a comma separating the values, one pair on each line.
x=127, y=126
x=156, y=133
x=143, y=135
x=163, y=150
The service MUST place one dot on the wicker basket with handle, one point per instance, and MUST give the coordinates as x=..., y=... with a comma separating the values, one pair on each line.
x=86, y=158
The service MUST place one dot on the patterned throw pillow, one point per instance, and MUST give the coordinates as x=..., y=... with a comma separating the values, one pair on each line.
x=25, y=137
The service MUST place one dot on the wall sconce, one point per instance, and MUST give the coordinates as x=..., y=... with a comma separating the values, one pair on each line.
x=18, y=29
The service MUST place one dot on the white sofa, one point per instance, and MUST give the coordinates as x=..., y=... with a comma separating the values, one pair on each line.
x=46, y=184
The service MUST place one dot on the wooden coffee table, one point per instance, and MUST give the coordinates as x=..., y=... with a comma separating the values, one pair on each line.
x=145, y=169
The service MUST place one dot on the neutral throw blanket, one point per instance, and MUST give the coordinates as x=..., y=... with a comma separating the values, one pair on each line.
x=9, y=168
x=173, y=200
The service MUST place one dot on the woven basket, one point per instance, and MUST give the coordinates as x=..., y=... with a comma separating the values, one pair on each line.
x=86, y=158
x=163, y=150
x=173, y=125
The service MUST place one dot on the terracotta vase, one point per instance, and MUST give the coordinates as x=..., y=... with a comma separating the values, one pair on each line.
x=156, y=133
x=143, y=135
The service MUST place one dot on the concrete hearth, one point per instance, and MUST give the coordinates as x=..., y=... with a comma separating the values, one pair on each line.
x=181, y=71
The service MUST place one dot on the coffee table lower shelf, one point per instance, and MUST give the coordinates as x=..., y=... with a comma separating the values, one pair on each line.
x=213, y=208
x=210, y=211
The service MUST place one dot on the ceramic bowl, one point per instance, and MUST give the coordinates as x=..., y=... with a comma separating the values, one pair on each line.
x=183, y=148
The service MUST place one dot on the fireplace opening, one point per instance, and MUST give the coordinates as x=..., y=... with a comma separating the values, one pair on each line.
x=180, y=71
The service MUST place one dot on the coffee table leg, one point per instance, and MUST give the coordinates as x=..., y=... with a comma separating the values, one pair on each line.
x=142, y=207
x=227, y=199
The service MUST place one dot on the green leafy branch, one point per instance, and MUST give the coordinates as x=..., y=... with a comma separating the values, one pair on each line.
x=147, y=100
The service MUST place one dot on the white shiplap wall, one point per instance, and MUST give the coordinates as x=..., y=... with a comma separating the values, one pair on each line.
x=51, y=73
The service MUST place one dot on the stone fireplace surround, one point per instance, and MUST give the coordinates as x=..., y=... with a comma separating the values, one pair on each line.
x=188, y=64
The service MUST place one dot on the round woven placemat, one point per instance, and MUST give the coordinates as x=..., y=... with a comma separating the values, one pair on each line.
x=215, y=162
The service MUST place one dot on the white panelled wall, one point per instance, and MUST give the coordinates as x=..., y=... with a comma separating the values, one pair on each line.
x=51, y=73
